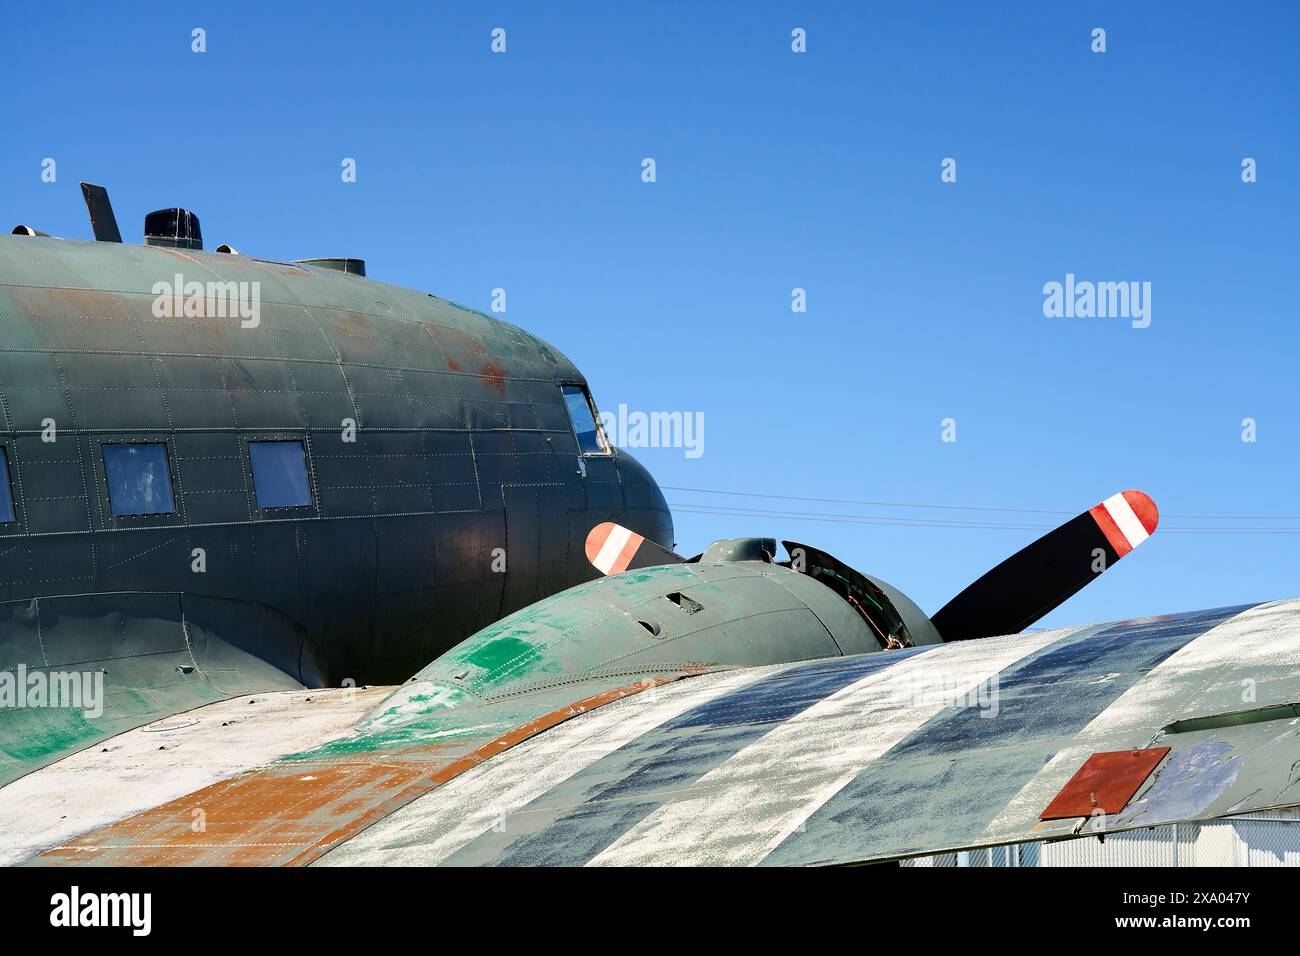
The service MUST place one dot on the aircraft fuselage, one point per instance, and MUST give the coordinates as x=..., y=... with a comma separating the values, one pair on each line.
x=343, y=485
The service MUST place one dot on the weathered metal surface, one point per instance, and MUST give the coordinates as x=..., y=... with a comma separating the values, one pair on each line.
x=156, y=655
x=295, y=810
x=648, y=622
x=406, y=516
x=879, y=763
x=1104, y=784
x=429, y=829
x=463, y=452
x=1044, y=704
x=840, y=760
x=139, y=769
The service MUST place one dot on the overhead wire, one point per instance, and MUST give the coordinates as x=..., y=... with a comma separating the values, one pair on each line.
x=708, y=508
x=947, y=507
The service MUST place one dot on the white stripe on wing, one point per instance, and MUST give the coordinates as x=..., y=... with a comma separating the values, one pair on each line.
x=743, y=808
x=1200, y=679
x=443, y=821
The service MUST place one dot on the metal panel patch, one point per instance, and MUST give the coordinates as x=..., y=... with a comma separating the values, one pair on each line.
x=1105, y=782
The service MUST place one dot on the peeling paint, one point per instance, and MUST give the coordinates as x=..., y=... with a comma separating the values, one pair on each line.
x=1186, y=785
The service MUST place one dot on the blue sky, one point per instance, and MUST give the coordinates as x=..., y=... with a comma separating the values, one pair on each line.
x=777, y=170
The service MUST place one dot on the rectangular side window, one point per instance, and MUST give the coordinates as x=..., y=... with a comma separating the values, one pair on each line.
x=280, y=474
x=139, y=479
x=6, y=489
x=591, y=438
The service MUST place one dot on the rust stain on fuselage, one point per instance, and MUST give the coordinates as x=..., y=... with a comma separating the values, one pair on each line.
x=65, y=302
x=456, y=340
x=495, y=376
x=293, y=813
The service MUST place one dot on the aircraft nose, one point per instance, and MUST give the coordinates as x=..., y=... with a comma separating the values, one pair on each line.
x=645, y=510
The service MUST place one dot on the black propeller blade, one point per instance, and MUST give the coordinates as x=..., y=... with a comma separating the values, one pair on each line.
x=1039, y=578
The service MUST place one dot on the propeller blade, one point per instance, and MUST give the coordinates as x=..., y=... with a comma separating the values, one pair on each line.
x=1039, y=578
x=613, y=549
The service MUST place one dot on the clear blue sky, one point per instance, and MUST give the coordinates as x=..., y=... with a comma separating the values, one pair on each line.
x=776, y=170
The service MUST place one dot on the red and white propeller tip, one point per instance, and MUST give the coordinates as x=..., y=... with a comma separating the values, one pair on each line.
x=611, y=547
x=1126, y=519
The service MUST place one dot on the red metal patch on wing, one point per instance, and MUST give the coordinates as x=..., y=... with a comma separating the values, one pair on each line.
x=1105, y=782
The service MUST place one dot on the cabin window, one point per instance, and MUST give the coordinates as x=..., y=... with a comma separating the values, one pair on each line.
x=591, y=437
x=280, y=474
x=139, y=479
x=6, y=490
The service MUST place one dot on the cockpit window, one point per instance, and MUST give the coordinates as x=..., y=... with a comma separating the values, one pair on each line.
x=139, y=479
x=591, y=437
x=6, y=491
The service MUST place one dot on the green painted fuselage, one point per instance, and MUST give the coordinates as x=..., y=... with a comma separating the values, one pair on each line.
x=447, y=486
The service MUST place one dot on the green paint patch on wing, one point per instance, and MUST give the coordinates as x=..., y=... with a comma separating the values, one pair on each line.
x=432, y=732
x=561, y=636
x=454, y=723
x=503, y=656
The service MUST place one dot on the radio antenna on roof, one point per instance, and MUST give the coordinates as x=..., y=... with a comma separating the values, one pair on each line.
x=102, y=220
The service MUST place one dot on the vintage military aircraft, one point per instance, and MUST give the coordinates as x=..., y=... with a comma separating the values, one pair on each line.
x=727, y=708
x=222, y=475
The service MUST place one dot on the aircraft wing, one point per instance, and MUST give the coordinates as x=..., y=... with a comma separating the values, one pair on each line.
x=842, y=760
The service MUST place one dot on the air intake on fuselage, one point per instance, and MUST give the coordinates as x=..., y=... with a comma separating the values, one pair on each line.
x=177, y=228
x=356, y=267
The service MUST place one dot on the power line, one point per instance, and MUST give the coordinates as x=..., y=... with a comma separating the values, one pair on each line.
x=859, y=519
x=932, y=506
x=888, y=520
x=854, y=501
